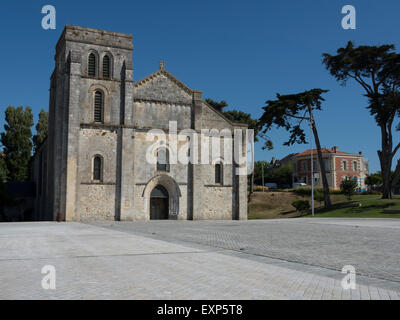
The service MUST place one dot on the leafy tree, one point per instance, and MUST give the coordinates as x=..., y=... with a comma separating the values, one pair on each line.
x=377, y=70
x=373, y=180
x=3, y=169
x=243, y=117
x=219, y=106
x=280, y=176
x=348, y=186
x=17, y=142
x=258, y=171
x=289, y=112
x=41, y=130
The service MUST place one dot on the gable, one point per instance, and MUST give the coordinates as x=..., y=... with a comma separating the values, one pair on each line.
x=163, y=87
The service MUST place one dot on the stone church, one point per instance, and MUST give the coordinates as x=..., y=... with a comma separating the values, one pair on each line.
x=93, y=166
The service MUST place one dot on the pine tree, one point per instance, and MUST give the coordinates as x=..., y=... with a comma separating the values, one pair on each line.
x=17, y=142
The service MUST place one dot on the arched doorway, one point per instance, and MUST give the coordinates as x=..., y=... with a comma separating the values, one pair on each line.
x=159, y=203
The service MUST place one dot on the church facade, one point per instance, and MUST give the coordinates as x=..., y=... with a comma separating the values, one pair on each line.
x=95, y=163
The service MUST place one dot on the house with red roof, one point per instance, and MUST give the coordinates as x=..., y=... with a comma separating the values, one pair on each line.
x=338, y=165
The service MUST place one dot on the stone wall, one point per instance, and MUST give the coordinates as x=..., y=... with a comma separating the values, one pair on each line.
x=130, y=110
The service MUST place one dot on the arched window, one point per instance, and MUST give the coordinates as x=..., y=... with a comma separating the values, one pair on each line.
x=97, y=168
x=92, y=65
x=218, y=173
x=98, y=106
x=106, y=67
x=163, y=160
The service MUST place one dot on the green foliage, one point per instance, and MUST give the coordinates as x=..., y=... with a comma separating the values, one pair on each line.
x=319, y=196
x=306, y=191
x=348, y=186
x=258, y=171
x=289, y=112
x=41, y=130
x=377, y=70
x=370, y=192
x=240, y=117
x=281, y=176
x=301, y=205
x=17, y=142
x=3, y=169
x=219, y=106
x=373, y=180
x=243, y=117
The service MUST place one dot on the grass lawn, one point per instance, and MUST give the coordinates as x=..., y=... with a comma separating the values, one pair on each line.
x=371, y=207
x=273, y=205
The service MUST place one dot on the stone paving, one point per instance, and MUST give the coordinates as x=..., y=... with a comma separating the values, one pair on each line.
x=201, y=260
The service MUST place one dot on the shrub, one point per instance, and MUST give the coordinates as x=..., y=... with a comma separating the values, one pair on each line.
x=301, y=205
x=370, y=192
x=306, y=191
x=348, y=186
x=260, y=188
x=319, y=196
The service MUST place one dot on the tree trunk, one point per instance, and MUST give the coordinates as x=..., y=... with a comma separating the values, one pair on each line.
x=327, y=198
x=386, y=166
x=385, y=158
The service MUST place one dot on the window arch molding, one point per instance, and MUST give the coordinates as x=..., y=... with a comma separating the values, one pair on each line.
x=90, y=112
x=92, y=63
x=104, y=63
x=98, y=106
x=97, y=167
x=218, y=171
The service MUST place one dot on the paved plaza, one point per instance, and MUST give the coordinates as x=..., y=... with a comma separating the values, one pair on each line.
x=264, y=259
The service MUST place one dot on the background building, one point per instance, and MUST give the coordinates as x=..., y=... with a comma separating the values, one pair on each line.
x=338, y=166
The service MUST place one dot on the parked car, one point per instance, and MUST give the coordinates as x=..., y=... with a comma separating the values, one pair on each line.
x=299, y=184
x=271, y=185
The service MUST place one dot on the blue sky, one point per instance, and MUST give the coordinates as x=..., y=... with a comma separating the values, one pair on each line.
x=241, y=51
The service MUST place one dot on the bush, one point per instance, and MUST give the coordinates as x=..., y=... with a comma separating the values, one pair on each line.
x=348, y=186
x=371, y=192
x=260, y=188
x=319, y=196
x=301, y=205
x=306, y=191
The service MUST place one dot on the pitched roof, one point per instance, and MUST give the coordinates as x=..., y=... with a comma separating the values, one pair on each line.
x=323, y=150
x=163, y=71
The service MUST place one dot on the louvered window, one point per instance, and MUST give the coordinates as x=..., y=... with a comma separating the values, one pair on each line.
x=97, y=168
x=218, y=173
x=92, y=65
x=106, y=67
x=98, y=106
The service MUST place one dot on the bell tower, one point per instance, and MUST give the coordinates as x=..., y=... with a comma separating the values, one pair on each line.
x=91, y=87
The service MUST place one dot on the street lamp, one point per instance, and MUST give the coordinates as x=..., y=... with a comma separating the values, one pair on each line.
x=262, y=170
x=312, y=172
